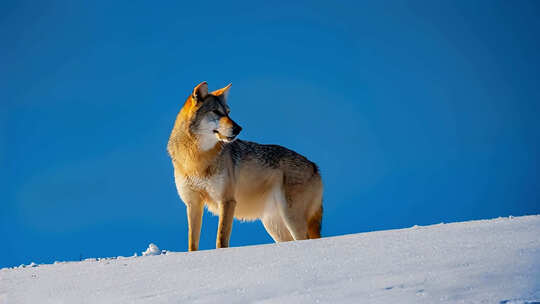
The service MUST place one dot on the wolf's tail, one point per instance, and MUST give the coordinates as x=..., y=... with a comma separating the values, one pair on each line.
x=315, y=224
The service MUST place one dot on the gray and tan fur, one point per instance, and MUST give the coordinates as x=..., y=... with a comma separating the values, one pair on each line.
x=241, y=179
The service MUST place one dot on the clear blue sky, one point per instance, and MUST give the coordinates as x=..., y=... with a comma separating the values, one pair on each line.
x=416, y=112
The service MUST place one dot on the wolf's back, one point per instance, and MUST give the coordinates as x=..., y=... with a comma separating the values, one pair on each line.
x=296, y=167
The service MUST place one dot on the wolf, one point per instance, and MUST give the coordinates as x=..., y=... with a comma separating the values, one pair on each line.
x=239, y=179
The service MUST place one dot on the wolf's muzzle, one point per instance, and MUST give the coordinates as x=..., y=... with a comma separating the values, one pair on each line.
x=236, y=129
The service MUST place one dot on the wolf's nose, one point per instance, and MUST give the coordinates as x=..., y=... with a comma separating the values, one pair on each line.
x=236, y=129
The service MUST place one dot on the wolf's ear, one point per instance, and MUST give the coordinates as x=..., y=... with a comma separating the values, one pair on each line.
x=223, y=92
x=200, y=91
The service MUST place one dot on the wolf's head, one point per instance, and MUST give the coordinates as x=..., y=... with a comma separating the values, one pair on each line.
x=208, y=115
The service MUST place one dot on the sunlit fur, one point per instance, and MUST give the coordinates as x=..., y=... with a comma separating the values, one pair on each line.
x=240, y=179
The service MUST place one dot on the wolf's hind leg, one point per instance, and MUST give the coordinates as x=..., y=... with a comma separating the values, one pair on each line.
x=315, y=223
x=294, y=219
x=275, y=226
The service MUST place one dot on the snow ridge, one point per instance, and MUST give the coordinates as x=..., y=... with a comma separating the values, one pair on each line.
x=488, y=261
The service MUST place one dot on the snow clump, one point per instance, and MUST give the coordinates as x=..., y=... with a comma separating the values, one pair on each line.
x=152, y=250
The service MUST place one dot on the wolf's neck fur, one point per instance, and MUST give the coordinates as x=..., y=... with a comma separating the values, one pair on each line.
x=187, y=154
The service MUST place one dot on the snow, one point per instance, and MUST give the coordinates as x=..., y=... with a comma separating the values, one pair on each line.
x=489, y=261
x=152, y=250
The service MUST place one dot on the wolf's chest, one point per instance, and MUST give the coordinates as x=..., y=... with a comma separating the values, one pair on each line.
x=212, y=186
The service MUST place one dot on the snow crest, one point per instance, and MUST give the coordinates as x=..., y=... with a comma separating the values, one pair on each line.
x=489, y=261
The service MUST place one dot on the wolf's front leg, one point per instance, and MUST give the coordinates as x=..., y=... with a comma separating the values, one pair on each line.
x=195, y=211
x=226, y=216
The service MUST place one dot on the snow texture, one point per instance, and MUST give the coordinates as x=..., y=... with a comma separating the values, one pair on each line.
x=490, y=261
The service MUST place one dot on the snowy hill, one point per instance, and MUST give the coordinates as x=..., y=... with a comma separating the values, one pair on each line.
x=491, y=261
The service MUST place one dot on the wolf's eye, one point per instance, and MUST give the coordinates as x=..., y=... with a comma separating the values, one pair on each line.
x=218, y=113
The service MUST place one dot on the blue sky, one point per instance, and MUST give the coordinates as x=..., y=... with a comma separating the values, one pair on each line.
x=416, y=112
